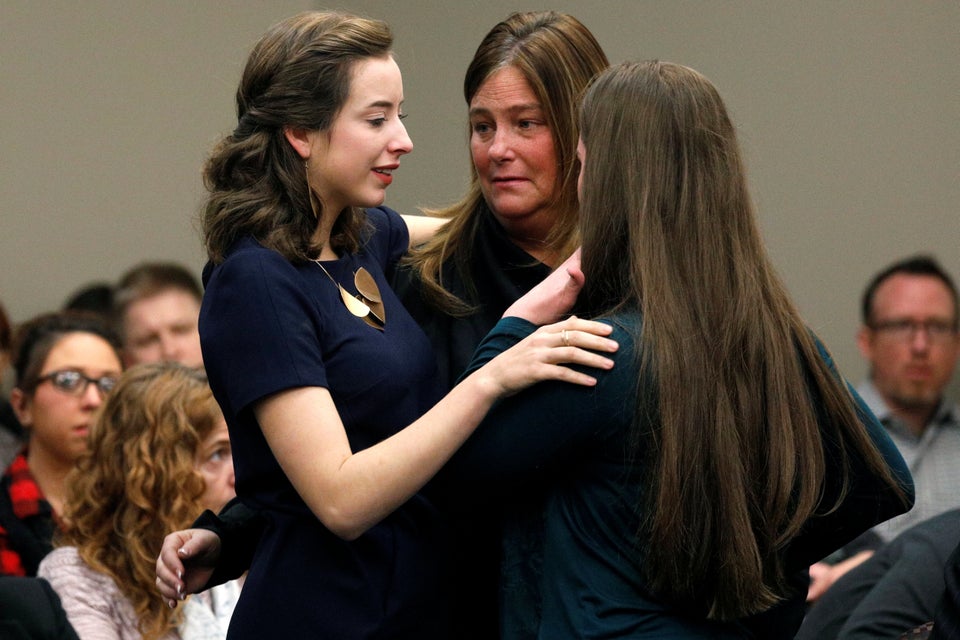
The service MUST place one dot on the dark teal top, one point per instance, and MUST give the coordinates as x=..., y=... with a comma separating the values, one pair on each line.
x=556, y=455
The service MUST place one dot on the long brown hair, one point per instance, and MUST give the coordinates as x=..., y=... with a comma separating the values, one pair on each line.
x=668, y=228
x=138, y=481
x=298, y=75
x=557, y=56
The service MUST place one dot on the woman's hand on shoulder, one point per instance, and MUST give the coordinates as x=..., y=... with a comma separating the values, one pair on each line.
x=545, y=354
x=553, y=297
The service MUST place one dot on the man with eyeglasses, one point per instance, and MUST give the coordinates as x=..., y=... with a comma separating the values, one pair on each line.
x=909, y=337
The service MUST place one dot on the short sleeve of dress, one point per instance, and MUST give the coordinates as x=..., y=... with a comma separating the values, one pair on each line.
x=390, y=241
x=259, y=328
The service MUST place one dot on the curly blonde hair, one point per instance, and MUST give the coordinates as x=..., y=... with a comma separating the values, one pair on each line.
x=138, y=481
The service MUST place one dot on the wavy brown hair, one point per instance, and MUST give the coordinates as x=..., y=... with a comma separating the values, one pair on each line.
x=557, y=56
x=139, y=481
x=297, y=76
x=668, y=228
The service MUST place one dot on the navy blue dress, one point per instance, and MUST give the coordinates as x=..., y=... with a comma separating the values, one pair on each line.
x=267, y=325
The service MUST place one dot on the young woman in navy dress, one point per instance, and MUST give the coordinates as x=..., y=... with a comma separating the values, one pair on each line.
x=328, y=387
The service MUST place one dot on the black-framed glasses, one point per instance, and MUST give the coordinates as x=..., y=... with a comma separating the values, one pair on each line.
x=75, y=383
x=905, y=330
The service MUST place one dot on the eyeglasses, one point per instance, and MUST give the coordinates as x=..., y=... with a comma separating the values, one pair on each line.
x=906, y=330
x=75, y=383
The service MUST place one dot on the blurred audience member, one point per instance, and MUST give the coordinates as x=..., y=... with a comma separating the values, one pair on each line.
x=65, y=364
x=157, y=306
x=946, y=620
x=895, y=590
x=159, y=452
x=909, y=338
x=96, y=297
x=12, y=436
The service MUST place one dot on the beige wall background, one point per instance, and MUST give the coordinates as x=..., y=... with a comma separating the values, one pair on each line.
x=848, y=111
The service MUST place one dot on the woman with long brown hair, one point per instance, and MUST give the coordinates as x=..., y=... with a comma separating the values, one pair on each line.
x=686, y=494
x=517, y=220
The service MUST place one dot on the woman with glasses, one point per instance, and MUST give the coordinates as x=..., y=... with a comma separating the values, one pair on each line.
x=65, y=364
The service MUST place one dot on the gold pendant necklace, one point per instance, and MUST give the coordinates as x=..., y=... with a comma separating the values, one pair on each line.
x=367, y=304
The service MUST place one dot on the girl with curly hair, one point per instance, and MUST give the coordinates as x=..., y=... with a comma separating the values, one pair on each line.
x=159, y=453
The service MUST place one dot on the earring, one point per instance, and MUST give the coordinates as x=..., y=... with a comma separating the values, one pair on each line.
x=310, y=194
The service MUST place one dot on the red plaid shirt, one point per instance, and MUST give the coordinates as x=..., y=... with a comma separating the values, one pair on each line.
x=28, y=504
